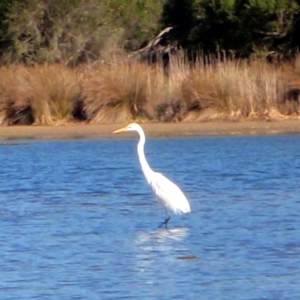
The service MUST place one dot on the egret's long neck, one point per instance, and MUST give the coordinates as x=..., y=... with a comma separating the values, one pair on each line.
x=144, y=164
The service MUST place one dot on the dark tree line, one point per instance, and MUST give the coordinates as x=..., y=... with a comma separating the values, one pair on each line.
x=240, y=28
x=76, y=31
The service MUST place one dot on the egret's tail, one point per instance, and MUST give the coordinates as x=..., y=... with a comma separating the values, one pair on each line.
x=182, y=209
x=186, y=208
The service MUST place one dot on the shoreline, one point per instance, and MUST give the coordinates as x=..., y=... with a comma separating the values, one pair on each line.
x=90, y=131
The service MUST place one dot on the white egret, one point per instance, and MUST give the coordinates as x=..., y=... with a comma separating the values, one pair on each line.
x=167, y=192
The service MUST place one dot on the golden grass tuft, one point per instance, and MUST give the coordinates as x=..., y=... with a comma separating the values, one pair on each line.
x=53, y=91
x=115, y=92
x=49, y=90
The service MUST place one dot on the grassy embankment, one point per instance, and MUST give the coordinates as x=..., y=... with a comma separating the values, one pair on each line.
x=121, y=91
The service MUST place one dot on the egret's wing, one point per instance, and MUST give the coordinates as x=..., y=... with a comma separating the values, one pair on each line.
x=169, y=194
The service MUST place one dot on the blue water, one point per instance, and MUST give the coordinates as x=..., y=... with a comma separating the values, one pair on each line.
x=77, y=220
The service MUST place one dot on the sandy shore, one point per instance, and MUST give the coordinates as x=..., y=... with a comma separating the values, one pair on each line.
x=76, y=131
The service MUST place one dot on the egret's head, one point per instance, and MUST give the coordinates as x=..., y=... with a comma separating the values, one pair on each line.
x=130, y=127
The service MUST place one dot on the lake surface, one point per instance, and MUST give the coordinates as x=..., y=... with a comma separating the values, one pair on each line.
x=78, y=221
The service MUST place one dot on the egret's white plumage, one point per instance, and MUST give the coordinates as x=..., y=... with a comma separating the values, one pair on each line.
x=167, y=192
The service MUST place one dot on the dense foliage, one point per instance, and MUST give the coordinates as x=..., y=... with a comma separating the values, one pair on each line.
x=239, y=27
x=75, y=31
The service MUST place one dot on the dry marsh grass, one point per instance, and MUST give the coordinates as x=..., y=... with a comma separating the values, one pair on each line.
x=235, y=89
x=115, y=92
x=45, y=93
x=123, y=90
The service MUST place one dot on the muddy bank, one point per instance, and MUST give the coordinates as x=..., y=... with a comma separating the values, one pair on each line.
x=76, y=131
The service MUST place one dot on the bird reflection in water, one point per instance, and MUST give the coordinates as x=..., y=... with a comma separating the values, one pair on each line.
x=166, y=245
x=162, y=235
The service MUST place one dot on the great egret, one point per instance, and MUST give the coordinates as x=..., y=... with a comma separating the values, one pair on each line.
x=167, y=192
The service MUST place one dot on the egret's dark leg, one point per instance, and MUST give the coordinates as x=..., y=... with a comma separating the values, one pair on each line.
x=165, y=222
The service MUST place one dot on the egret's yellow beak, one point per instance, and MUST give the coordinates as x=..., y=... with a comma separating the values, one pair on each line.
x=120, y=130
